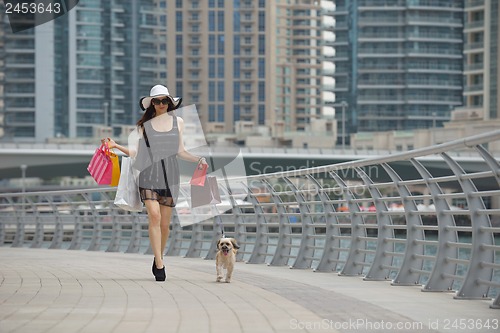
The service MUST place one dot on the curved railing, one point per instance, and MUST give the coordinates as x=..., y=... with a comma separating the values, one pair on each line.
x=425, y=217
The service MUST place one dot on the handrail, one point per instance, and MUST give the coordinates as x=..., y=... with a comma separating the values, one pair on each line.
x=440, y=230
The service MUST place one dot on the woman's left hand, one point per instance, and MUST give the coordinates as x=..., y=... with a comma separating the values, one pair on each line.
x=109, y=142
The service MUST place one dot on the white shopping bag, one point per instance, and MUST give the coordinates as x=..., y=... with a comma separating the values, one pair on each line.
x=127, y=194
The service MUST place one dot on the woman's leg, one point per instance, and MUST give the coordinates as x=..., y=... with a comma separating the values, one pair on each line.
x=166, y=215
x=154, y=217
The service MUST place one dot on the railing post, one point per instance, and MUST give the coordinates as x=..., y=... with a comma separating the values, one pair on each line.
x=217, y=233
x=259, y=252
x=443, y=269
x=479, y=253
x=406, y=275
x=496, y=303
x=282, y=253
x=331, y=255
x=37, y=241
x=174, y=243
x=134, y=245
x=306, y=249
x=76, y=239
x=57, y=238
x=20, y=225
x=116, y=232
x=351, y=268
x=194, y=250
x=378, y=270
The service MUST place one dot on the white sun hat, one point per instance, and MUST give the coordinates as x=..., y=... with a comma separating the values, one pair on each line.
x=156, y=91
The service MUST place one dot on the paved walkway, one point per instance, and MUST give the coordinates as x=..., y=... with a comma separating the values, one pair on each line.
x=81, y=291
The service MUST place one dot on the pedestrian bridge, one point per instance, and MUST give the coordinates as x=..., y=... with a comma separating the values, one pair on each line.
x=359, y=249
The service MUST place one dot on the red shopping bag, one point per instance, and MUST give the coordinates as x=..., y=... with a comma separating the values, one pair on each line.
x=199, y=174
x=101, y=166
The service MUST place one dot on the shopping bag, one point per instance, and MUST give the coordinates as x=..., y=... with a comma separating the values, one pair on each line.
x=115, y=174
x=127, y=194
x=199, y=175
x=206, y=194
x=100, y=166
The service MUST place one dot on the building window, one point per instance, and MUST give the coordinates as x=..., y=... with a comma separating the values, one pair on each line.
x=220, y=68
x=220, y=21
x=220, y=44
x=236, y=21
x=178, y=88
x=236, y=68
x=178, y=21
x=220, y=91
x=236, y=46
x=262, y=114
x=211, y=68
x=178, y=68
x=262, y=44
x=211, y=91
x=178, y=44
x=178, y=4
x=236, y=113
x=262, y=21
x=262, y=91
x=211, y=44
x=211, y=113
x=211, y=20
x=236, y=92
x=262, y=68
x=220, y=113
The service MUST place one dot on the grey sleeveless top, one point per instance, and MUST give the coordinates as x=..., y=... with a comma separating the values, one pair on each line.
x=162, y=172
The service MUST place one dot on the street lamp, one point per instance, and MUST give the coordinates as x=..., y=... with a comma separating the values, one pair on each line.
x=23, y=176
x=23, y=186
x=433, y=128
x=343, y=104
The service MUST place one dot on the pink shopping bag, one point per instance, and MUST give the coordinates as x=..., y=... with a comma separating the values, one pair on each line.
x=199, y=175
x=101, y=166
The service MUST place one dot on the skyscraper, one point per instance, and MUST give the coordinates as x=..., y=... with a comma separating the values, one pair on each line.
x=256, y=61
x=246, y=60
x=85, y=69
x=398, y=62
x=481, y=70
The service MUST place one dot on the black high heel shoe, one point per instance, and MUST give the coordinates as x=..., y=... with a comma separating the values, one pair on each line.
x=159, y=274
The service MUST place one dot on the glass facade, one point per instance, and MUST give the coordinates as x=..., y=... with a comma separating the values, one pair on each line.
x=104, y=55
x=398, y=66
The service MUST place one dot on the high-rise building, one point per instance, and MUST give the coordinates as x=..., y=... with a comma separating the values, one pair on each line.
x=83, y=70
x=255, y=61
x=481, y=70
x=398, y=62
x=247, y=60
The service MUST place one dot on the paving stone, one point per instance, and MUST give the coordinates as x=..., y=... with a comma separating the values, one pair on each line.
x=85, y=291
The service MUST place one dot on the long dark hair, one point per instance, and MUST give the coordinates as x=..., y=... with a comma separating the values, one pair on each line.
x=151, y=112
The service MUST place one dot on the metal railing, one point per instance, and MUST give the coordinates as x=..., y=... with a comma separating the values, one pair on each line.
x=439, y=228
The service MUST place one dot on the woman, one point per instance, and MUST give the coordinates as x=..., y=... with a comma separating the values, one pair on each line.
x=155, y=154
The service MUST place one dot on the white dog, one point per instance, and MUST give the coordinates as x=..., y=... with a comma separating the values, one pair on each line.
x=226, y=257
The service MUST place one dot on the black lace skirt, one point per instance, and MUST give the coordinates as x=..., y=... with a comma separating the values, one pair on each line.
x=160, y=181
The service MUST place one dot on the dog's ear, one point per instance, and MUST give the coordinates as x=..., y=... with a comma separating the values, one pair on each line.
x=218, y=244
x=235, y=244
